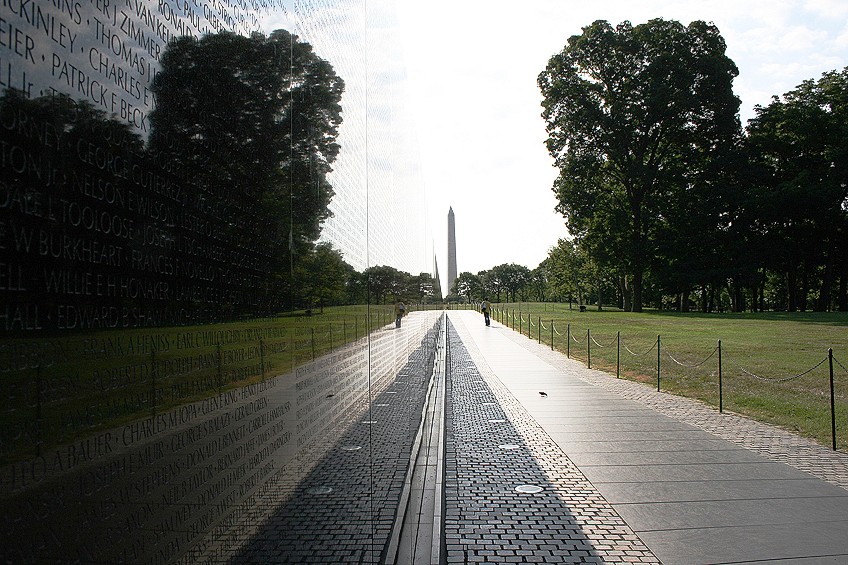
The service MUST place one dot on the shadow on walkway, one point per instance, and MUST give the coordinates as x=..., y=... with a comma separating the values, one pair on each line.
x=343, y=508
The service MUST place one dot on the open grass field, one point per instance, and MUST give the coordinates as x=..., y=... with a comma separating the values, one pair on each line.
x=774, y=366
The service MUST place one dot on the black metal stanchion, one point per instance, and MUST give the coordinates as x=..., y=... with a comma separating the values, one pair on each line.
x=39, y=416
x=262, y=356
x=618, y=355
x=153, y=382
x=720, y=385
x=832, y=400
x=568, y=341
x=658, y=363
x=220, y=369
x=588, y=348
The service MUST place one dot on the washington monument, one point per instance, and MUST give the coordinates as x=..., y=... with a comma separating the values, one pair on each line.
x=451, y=251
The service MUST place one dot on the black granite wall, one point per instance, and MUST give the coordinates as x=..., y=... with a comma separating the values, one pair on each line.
x=167, y=396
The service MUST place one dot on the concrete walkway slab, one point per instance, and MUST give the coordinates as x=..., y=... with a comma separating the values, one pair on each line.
x=690, y=495
x=734, y=489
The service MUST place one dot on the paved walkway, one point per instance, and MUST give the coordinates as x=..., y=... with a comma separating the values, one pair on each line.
x=628, y=474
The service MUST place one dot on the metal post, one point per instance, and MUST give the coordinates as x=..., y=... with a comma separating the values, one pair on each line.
x=312, y=330
x=344, y=331
x=552, y=335
x=291, y=348
x=262, y=356
x=658, y=363
x=520, y=324
x=153, y=381
x=588, y=348
x=330, y=333
x=618, y=355
x=540, y=329
x=720, y=385
x=220, y=369
x=39, y=420
x=832, y=403
x=568, y=342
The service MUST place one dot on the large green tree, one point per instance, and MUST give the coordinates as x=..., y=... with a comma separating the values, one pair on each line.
x=798, y=199
x=325, y=277
x=634, y=114
x=469, y=286
x=514, y=278
x=386, y=283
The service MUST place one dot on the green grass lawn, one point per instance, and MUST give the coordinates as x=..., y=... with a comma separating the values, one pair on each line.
x=775, y=365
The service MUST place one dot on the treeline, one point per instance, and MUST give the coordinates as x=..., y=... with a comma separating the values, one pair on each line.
x=323, y=278
x=671, y=202
x=503, y=283
x=764, y=228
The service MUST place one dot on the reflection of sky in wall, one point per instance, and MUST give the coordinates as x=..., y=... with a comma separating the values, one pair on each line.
x=336, y=32
x=376, y=176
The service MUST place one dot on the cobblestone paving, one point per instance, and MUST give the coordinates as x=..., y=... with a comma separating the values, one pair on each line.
x=769, y=441
x=343, y=509
x=494, y=446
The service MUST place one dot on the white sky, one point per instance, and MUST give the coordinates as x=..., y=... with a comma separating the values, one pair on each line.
x=472, y=67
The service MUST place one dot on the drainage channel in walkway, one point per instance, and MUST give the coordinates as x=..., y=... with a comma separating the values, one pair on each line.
x=417, y=536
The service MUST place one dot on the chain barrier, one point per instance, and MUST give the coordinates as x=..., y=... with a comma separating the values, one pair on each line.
x=840, y=364
x=610, y=344
x=682, y=363
x=689, y=365
x=654, y=346
x=774, y=380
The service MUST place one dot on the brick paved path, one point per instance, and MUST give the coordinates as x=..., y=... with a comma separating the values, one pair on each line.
x=341, y=508
x=493, y=446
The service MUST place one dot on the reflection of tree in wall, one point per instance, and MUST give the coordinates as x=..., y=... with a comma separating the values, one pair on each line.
x=255, y=121
x=64, y=198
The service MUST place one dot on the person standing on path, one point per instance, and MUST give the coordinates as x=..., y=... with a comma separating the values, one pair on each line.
x=485, y=308
x=400, y=312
